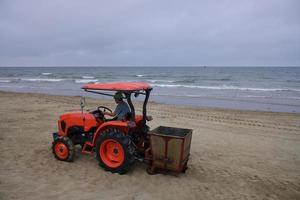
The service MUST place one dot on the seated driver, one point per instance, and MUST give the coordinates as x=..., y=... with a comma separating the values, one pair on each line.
x=122, y=108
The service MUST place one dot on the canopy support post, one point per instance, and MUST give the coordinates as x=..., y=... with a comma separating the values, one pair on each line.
x=128, y=97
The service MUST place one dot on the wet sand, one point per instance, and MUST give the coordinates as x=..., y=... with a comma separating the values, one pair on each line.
x=235, y=154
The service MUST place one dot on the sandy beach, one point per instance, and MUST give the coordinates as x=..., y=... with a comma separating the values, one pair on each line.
x=234, y=155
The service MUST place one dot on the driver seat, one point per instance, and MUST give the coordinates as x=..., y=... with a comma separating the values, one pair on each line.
x=127, y=116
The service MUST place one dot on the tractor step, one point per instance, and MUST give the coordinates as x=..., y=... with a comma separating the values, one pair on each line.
x=87, y=148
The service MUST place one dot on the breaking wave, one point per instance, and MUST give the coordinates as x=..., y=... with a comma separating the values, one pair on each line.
x=42, y=79
x=5, y=81
x=86, y=80
x=224, y=87
x=88, y=77
x=46, y=73
x=160, y=81
x=140, y=75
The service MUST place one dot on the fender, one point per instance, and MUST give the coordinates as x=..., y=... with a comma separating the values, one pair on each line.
x=123, y=126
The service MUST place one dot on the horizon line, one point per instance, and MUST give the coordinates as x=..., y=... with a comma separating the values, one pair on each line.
x=141, y=66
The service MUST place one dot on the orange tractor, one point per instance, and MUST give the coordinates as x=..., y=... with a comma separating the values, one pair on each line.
x=116, y=143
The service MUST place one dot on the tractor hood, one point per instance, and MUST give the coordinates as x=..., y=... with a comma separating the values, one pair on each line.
x=85, y=120
x=76, y=115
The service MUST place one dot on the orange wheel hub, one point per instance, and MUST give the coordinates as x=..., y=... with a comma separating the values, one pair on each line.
x=61, y=150
x=112, y=153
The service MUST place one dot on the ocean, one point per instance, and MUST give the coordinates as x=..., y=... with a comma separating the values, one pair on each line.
x=251, y=88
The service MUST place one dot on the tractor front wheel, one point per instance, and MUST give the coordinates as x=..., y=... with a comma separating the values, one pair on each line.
x=114, y=151
x=63, y=149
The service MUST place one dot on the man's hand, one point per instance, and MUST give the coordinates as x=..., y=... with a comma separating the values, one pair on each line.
x=109, y=114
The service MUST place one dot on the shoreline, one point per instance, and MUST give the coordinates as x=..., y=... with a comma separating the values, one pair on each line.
x=176, y=103
x=264, y=89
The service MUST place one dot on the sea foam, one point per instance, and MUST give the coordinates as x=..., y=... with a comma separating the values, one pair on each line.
x=5, y=81
x=224, y=87
x=88, y=77
x=46, y=73
x=86, y=80
x=42, y=79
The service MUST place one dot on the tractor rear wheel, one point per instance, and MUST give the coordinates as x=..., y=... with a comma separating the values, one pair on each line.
x=63, y=149
x=114, y=151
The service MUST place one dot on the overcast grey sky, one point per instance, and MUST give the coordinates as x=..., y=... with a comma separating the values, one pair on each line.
x=148, y=32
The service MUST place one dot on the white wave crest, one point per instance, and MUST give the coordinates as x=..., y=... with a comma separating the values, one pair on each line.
x=140, y=75
x=5, y=81
x=161, y=81
x=224, y=87
x=46, y=73
x=42, y=79
x=87, y=77
x=86, y=80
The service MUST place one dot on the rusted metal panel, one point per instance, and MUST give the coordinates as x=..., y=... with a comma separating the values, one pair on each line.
x=187, y=145
x=174, y=151
x=170, y=148
x=158, y=151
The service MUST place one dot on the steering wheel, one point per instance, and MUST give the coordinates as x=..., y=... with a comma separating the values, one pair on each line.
x=99, y=112
x=104, y=109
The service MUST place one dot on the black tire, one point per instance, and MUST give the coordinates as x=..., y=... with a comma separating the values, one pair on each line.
x=69, y=145
x=127, y=147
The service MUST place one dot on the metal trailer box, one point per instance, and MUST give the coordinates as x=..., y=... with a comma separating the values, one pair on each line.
x=169, y=148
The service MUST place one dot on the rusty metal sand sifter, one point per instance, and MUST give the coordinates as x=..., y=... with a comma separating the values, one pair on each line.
x=170, y=149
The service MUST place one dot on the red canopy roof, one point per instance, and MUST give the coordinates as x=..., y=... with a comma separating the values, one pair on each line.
x=118, y=86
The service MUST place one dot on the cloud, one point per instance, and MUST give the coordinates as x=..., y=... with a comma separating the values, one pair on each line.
x=144, y=32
